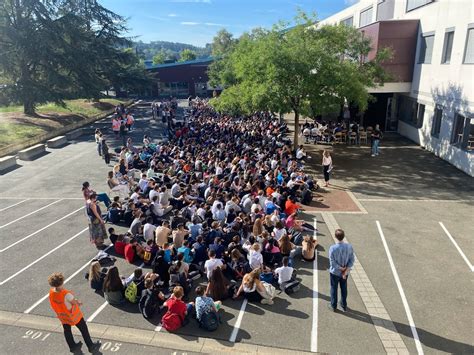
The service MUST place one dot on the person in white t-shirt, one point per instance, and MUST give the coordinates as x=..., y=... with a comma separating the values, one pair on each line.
x=255, y=257
x=211, y=264
x=284, y=272
x=149, y=229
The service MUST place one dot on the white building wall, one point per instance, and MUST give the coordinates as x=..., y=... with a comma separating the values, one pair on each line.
x=449, y=85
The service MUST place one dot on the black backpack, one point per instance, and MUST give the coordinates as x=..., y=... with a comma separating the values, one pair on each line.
x=209, y=321
x=148, y=303
x=291, y=287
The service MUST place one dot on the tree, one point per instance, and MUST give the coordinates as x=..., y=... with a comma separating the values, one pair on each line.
x=222, y=43
x=302, y=69
x=55, y=50
x=186, y=55
x=159, y=58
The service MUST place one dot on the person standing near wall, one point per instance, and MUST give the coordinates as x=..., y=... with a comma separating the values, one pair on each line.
x=66, y=307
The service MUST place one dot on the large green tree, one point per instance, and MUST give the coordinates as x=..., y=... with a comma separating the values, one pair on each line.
x=52, y=50
x=303, y=69
x=222, y=42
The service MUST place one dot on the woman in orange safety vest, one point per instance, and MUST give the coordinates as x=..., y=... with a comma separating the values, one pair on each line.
x=66, y=307
x=116, y=125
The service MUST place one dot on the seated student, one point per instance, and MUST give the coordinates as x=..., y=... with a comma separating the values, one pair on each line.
x=178, y=311
x=199, y=251
x=120, y=244
x=96, y=276
x=286, y=246
x=186, y=251
x=151, y=299
x=112, y=236
x=136, y=277
x=253, y=289
x=284, y=272
x=239, y=265
x=272, y=254
x=279, y=230
x=212, y=263
x=149, y=229
x=133, y=250
x=255, y=257
x=218, y=247
x=161, y=267
x=205, y=305
x=218, y=287
x=113, y=287
x=114, y=213
x=309, y=247
x=168, y=252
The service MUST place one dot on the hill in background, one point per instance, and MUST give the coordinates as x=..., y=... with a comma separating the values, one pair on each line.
x=171, y=50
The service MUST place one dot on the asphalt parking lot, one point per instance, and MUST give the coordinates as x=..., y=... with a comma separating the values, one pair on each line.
x=43, y=229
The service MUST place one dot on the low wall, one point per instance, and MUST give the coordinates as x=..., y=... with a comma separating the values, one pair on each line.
x=13, y=148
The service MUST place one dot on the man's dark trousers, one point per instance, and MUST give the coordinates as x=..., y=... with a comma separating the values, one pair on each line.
x=335, y=281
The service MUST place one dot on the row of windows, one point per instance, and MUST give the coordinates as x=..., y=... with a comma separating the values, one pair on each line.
x=385, y=10
x=413, y=113
x=427, y=44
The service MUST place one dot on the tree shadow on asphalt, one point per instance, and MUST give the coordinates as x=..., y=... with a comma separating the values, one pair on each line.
x=427, y=338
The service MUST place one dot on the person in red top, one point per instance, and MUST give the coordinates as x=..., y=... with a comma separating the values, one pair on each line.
x=66, y=307
x=119, y=245
x=291, y=206
x=177, y=312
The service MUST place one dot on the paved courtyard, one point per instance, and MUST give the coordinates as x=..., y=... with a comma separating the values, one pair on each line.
x=410, y=221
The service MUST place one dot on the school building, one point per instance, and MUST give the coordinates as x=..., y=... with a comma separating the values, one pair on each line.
x=430, y=98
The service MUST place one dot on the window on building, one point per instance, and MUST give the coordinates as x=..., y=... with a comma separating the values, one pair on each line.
x=348, y=21
x=469, y=51
x=426, y=49
x=414, y=4
x=410, y=111
x=365, y=17
x=385, y=9
x=447, y=47
x=438, y=114
x=458, y=131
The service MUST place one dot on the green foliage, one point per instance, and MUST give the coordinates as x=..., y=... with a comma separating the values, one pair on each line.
x=306, y=69
x=186, y=55
x=222, y=43
x=56, y=50
x=159, y=58
x=171, y=50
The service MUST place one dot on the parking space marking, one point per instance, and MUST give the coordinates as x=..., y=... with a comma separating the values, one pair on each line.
x=400, y=290
x=238, y=322
x=314, y=326
x=42, y=257
x=471, y=267
x=41, y=300
x=42, y=198
x=40, y=230
x=16, y=204
x=408, y=200
x=390, y=338
x=101, y=308
x=29, y=214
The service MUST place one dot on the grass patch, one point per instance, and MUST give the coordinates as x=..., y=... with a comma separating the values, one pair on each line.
x=11, y=132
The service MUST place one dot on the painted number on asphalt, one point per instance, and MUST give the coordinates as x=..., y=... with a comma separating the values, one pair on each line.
x=36, y=335
x=109, y=346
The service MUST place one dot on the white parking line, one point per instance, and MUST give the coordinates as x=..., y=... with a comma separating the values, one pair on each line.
x=40, y=230
x=37, y=303
x=314, y=326
x=238, y=322
x=41, y=198
x=29, y=214
x=42, y=257
x=103, y=305
x=16, y=204
x=457, y=246
x=400, y=290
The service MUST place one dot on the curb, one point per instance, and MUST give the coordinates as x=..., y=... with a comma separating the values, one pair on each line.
x=143, y=337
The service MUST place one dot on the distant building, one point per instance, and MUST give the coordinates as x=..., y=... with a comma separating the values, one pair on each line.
x=430, y=99
x=181, y=79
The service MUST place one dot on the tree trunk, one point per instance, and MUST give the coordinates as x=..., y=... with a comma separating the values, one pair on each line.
x=280, y=116
x=29, y=107
x=297, y=129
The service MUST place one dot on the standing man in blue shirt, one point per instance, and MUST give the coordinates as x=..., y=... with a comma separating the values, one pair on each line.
x=341, y=260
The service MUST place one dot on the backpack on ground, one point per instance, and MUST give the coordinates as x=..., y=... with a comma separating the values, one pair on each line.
x=147, y=256
x=290, y=287
x=131, y=292
x=171, y=321
x=267, y=277
x=209, y=321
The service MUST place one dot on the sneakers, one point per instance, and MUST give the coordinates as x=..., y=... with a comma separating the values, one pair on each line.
x=331, y=307
x=266, y=301
x=344, y=309
x=95, y=347
x=76, y=347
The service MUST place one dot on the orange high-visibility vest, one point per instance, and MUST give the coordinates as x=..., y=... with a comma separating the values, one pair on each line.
x=129, y=119
x=66, y=316
x=115, y=125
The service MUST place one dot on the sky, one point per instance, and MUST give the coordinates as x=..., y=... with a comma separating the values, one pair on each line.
x=197, y=21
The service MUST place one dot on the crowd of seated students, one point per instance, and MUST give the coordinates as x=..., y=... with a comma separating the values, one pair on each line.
x=217, y=205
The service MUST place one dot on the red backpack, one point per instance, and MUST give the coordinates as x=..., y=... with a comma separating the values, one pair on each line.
x=171, y=321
